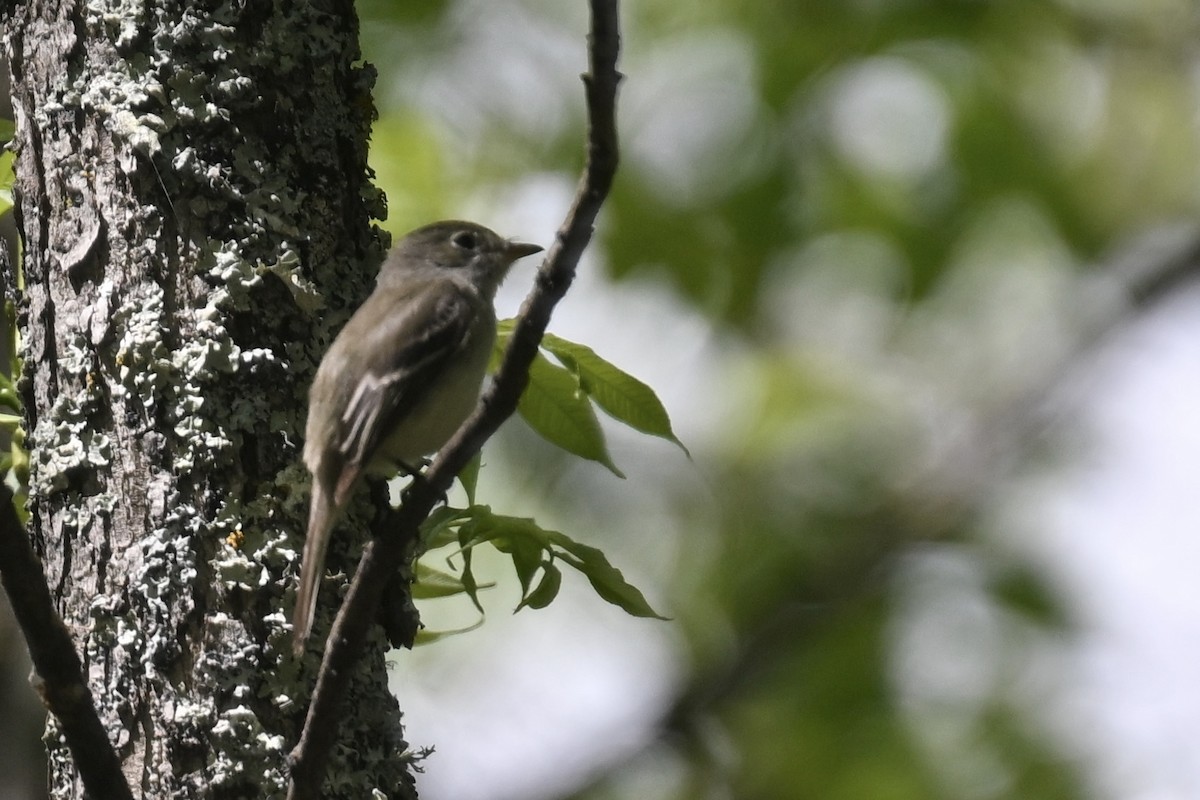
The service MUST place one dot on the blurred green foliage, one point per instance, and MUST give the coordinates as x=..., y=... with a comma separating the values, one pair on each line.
x=14, y=464
x=891, y=208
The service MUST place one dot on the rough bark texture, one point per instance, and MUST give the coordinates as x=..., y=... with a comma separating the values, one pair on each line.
x=195, y=206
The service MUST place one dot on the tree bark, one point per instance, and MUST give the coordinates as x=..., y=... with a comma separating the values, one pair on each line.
x=195, y=207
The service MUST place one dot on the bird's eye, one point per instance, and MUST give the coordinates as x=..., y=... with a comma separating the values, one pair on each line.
x=466, y=240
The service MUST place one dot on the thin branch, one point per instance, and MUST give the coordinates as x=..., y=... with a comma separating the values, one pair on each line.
x=382, y=556
x=63, y=689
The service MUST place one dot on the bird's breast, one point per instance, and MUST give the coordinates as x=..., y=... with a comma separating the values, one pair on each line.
x=434, y=419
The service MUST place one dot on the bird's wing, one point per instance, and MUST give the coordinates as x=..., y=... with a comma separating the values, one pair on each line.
x=418, y=345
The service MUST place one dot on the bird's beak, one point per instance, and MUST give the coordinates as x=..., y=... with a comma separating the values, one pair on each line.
x=515, y=250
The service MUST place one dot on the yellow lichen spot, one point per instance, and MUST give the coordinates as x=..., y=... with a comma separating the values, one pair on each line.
x=236, y=539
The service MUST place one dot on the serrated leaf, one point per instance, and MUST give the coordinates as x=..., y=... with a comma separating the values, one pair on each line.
x=624, y=397
x=560, y=413
x=546, y=591
x=606, y=579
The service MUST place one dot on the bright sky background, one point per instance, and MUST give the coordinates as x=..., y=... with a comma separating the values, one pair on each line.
x=1122, y=536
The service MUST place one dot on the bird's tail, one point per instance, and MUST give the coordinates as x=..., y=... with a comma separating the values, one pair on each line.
x=321, y=516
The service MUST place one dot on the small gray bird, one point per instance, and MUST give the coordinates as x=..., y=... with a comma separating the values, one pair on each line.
x=402, y=375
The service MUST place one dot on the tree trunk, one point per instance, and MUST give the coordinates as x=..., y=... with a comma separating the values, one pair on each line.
x=195, y=207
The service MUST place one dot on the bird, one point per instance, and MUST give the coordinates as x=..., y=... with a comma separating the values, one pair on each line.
x=401, y=376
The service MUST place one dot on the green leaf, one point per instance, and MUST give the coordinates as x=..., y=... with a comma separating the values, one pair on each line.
x=469, y=477
x=8, y=129
x=438, y=529
x=526, y=555
x=7, y=176
x=487, y=526
x=546, y=591
x=468, y=579
x=558, y=410
x=9, y=397
x=518, y=538
x=623, y=396
x=426, y=636
x=431, y=583
x=606, y=579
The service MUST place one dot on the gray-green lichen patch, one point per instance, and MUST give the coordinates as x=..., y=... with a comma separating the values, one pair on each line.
x=75, y=359
x=142, y=358
x=254, y=559
x=245, y=749
x=162, y=589
x=66, y=443
x=139, y=131
x=206, y=431
x=239, y=127
x=177, y=380
x=242, y=749
x=69, y=447
x=260, y=542
x=202, y=437
x=236, y=276
x=117, y=19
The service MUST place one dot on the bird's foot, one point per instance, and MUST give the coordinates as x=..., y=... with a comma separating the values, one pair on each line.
x=419, y=477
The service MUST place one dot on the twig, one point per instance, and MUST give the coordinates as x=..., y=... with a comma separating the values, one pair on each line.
x=382, y=556
x=63, y=689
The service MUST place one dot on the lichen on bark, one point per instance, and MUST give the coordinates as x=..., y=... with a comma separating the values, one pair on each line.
x=196, y=212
